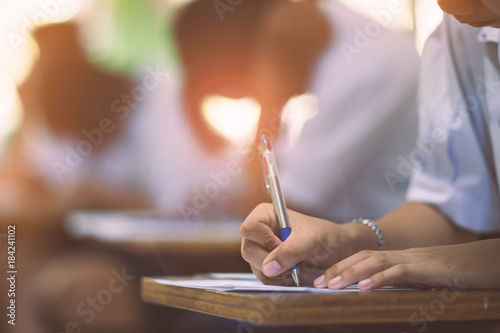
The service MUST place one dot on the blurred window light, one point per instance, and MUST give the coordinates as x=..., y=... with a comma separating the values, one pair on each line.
x=296, y=112
x=10, y=108
x=25, y=16
x=428, y=16
x=392, y=14
x=233, y=119
x=18, y=64
x=39, y=12
x=98, y=33
x=18, y=19
x=177, y=3
x=127, y=35
x=63, y=10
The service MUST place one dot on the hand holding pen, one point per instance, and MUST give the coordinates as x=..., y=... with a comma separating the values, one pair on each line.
x=273, y=186
x=319, y=241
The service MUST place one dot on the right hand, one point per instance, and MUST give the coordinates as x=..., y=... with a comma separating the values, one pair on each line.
x=314, y=243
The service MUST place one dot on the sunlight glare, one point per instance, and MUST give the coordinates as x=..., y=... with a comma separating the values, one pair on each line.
x=233, y=119
x=296, y=113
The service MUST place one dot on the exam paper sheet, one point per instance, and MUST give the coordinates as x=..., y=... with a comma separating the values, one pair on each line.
x=249, y=282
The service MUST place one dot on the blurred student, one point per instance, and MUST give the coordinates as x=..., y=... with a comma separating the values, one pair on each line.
x=71, y=141
x=454, y=193
x=67, y=155
x=336, y=148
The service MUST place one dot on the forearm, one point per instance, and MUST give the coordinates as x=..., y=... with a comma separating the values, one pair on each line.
x=418, y=225
x=411, y=225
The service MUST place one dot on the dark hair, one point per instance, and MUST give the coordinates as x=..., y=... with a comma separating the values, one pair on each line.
x=216, y=56
x=71, y=93
x=219, y=53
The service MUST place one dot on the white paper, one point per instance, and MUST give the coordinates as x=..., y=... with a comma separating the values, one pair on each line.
x=249, y=282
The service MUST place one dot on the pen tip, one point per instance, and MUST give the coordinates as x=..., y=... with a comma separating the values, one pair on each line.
x=295, y=276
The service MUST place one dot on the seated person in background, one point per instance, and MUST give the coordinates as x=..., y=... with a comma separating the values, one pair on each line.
x=364, y=120
x=453, y=196
x=335, y=146
x=168, y=149
x=66, y=154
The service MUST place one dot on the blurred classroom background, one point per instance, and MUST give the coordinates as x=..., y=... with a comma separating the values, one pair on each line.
x=67, y=67
x=113, y=36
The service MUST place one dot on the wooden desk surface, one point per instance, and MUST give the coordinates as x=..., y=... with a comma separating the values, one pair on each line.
x=143, y=231
x=278, y=308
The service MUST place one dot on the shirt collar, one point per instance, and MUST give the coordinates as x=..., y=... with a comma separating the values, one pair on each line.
x=492, y=35
x=489, y=34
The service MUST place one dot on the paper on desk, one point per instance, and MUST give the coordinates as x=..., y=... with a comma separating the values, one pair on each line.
x=249, y=282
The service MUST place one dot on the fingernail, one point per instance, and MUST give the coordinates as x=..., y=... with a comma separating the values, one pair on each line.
x=334, y=281
x=272, y=268
x=364, y=283
x=319, y=280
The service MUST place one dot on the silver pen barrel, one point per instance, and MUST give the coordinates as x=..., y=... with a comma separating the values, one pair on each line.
x=273, y=186
x=279, y=202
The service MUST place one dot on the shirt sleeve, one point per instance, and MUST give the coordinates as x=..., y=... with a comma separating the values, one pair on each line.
x=452, y=164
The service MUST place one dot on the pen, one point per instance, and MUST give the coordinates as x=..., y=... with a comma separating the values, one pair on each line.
x=273, y=186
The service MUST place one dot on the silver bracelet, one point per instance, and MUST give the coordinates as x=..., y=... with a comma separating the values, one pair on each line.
x=376, y=230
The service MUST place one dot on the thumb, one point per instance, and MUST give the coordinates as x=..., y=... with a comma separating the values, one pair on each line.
x=286, y=255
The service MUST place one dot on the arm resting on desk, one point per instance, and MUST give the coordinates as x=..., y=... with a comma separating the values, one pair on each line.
x=411, y=225
x=318, y=244
x=472, y=265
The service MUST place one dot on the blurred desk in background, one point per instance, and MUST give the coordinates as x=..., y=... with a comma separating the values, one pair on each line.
x=179, y=246
x=141, y=229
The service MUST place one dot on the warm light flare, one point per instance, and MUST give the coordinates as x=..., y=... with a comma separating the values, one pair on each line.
x=296, y=113
x=233, y=119
x=10, y=108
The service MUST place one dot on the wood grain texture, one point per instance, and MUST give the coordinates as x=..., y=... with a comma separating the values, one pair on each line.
x=278, y=308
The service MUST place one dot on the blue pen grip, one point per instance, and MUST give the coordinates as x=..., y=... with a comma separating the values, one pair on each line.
x=284, y=233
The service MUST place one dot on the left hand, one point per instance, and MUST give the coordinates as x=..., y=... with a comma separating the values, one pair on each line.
x=471, y=265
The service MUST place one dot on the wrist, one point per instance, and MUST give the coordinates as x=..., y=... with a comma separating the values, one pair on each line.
x=376, y=230
x=358, y=237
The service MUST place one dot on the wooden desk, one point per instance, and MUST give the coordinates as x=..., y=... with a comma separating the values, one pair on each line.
x=162, y=244
x=143, y=231
x=277, y=308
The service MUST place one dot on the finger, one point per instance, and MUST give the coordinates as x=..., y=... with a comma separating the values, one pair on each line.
x=262, y=235
x=261, y=227
x=338, y=268
x=418, y=275
x=364, y=269
x=253, y=253
x=263, y=213
x=283, y=280
x=289, y=253
x=394, y=275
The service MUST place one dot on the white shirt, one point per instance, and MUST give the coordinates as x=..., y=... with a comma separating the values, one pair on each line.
x=341, y=167
x=365, y=120
x=47, y=157
x=460, y=119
